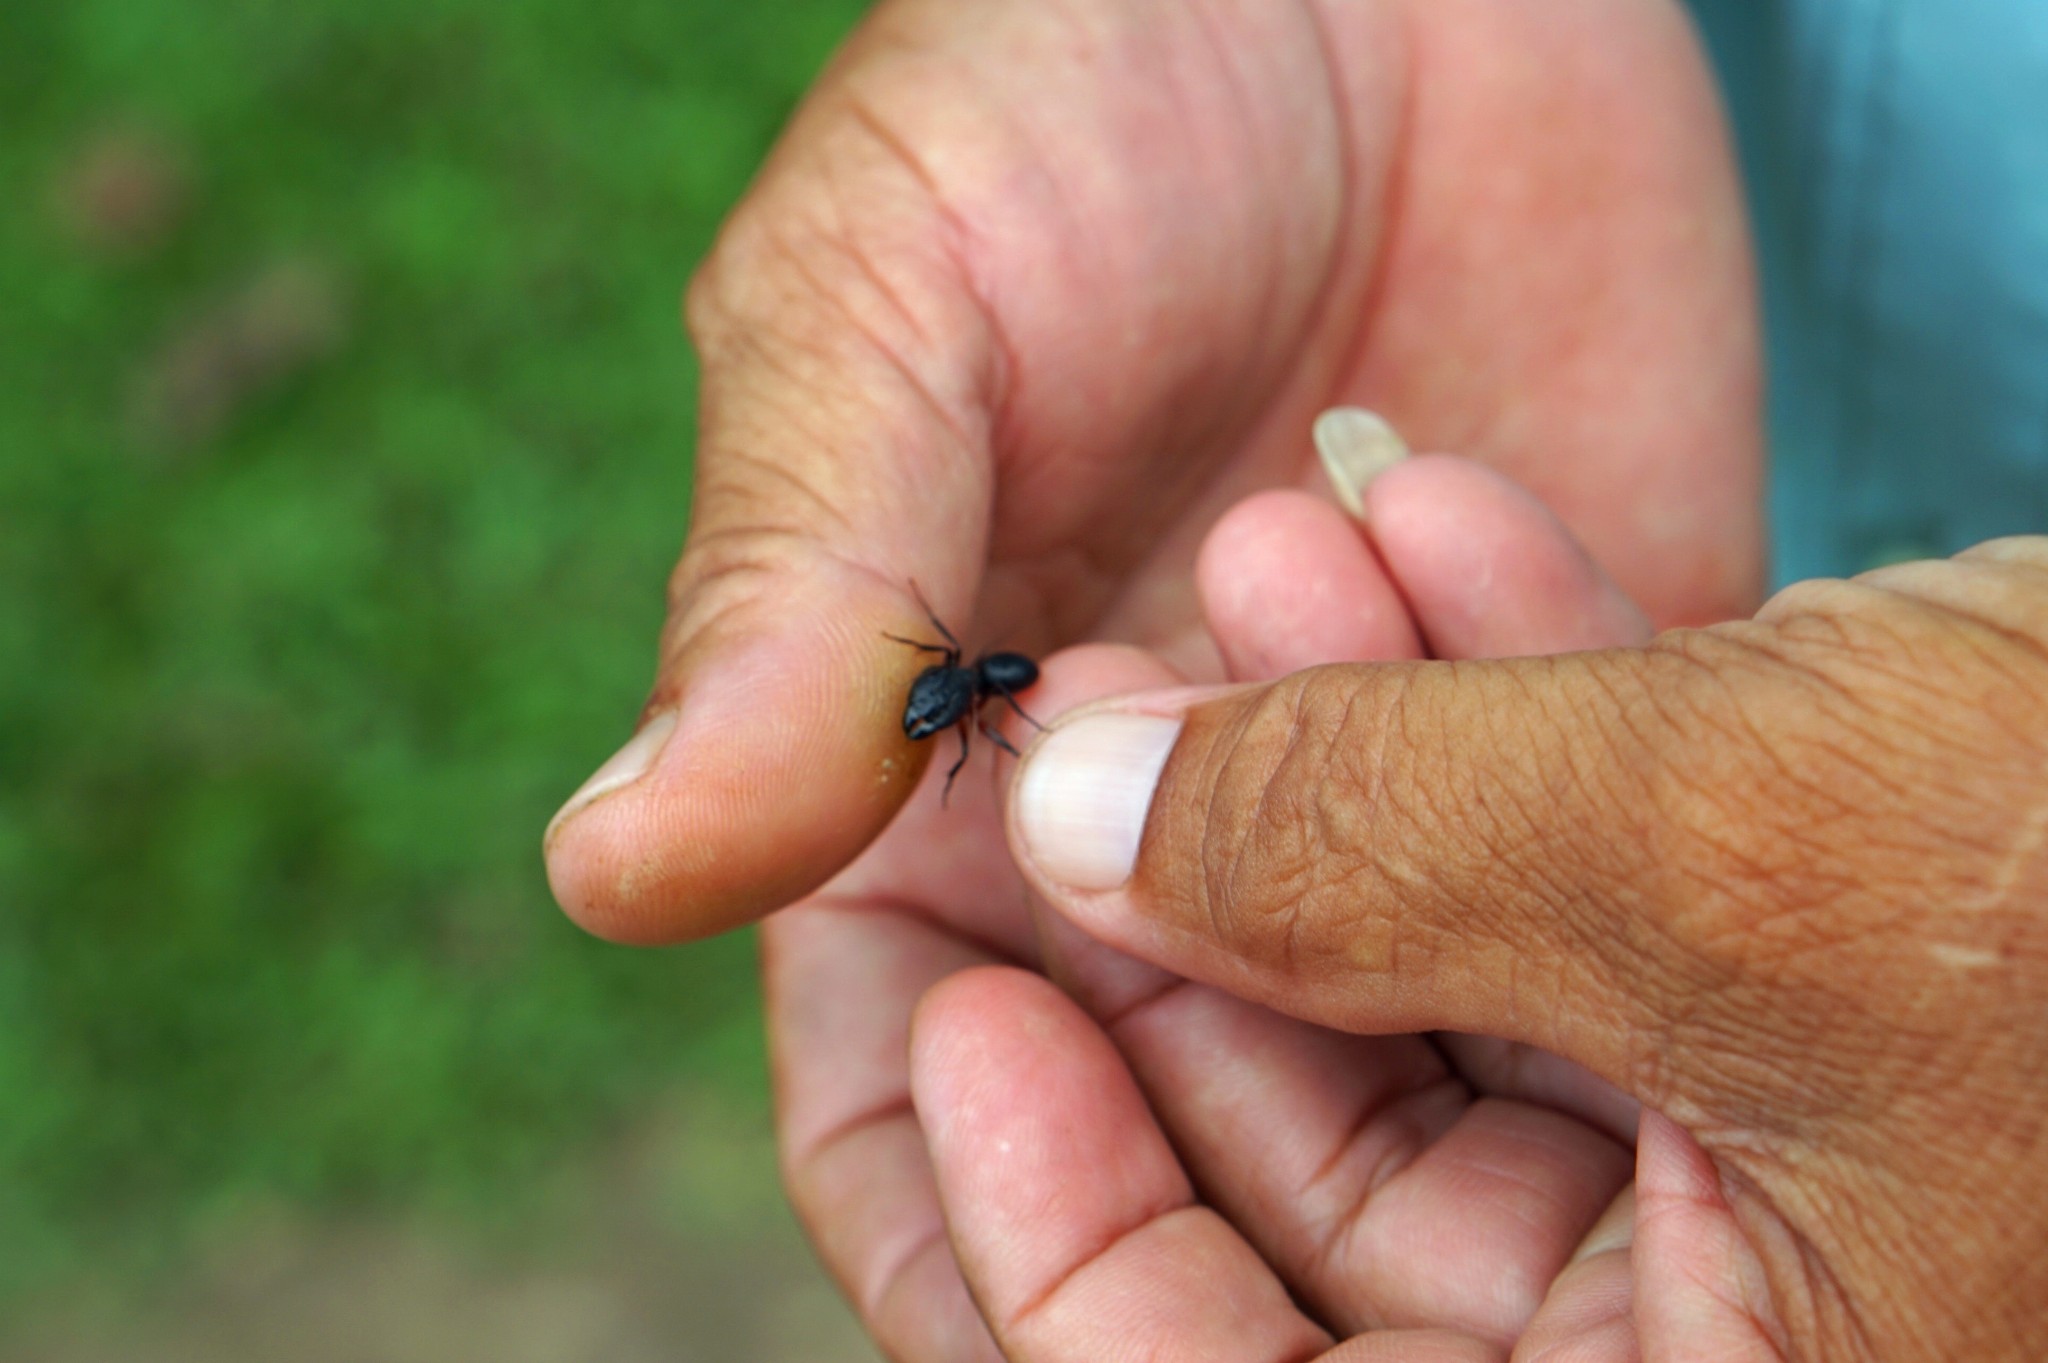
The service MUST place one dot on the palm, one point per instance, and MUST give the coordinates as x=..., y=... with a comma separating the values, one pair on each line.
x=1472, y=1190
x=1387, y=1185
x=1122, y=254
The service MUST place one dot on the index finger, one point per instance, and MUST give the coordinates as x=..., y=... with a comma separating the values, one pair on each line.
x=1075, y=1225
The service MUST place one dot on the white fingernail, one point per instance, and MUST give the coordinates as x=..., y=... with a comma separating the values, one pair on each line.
x=1356, y=447
x=626, y=766
x=1084, y=793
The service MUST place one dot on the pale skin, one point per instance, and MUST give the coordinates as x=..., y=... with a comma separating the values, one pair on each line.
x=1029, y=296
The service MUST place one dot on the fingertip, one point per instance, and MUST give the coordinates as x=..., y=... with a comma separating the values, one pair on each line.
x=992, y=1043
x=1415, y=1346
x=784, y=757
x=990, y=1048
x=1287, y=581
x=944, y=1025
x=1086, y=673
x=1490, y=571
x=1076, y=679
x=1073, y=1219
x=955, y=1012
x=1671, y=1166
x=1355, y=447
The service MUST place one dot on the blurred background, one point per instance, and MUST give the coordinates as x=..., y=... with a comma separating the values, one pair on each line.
x=345, y=423
x=345, y=430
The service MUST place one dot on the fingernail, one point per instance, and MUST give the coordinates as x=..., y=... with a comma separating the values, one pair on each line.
x=1084, y=793
x=1356, y=446
x=626, y=766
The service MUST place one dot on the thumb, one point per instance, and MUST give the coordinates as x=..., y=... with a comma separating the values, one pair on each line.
x=842, y=457
x=1594, y=853
x=1781, y=880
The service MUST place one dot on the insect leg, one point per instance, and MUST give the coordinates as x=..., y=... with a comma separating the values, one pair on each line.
x=995, y=736
x=1011, y=700
x=947, y=794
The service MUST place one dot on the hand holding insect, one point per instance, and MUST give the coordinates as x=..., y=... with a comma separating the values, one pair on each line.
x=939, y=893
x=988, y=321
x=991, y=322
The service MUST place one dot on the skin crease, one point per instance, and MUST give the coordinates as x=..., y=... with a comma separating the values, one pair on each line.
x=954, y=337
x=1030, y=293
x=1824, y=954
x=940, y=893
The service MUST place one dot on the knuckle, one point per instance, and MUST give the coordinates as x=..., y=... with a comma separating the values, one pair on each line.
x=724, y=300
x=1798, y=744
x=1229, y=864
x=2025, y=550
x=1779, y=775
x=1294, y=817
x=706, y=297
x=2001, y=586
x=823, y=325
x=1917, y=723
x=755, y=294
x=1852, y=849
x=1252, y=846
x=848, y=248
x=728, y=568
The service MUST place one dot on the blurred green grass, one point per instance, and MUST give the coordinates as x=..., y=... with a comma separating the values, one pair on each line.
x=345, y=425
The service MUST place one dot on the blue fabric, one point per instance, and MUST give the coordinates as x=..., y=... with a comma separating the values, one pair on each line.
x=1897, y=157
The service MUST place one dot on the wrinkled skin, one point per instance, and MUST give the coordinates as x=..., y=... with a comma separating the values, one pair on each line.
x=1286, y=1128
x=1785, y=883
x=1030, y=295
x=1852, y=1045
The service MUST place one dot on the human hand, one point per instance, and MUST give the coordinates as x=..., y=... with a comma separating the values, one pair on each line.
x=1784, y=881
x=1030, y=293
x=1285, y=1126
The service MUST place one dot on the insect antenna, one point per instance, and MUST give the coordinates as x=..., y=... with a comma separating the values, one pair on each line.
x=928, y=648
x=933, y=615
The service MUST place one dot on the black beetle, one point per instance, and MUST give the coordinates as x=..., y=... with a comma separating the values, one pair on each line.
x=948, y=693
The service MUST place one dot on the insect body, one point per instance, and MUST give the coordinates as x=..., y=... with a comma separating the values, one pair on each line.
x=950, y=693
